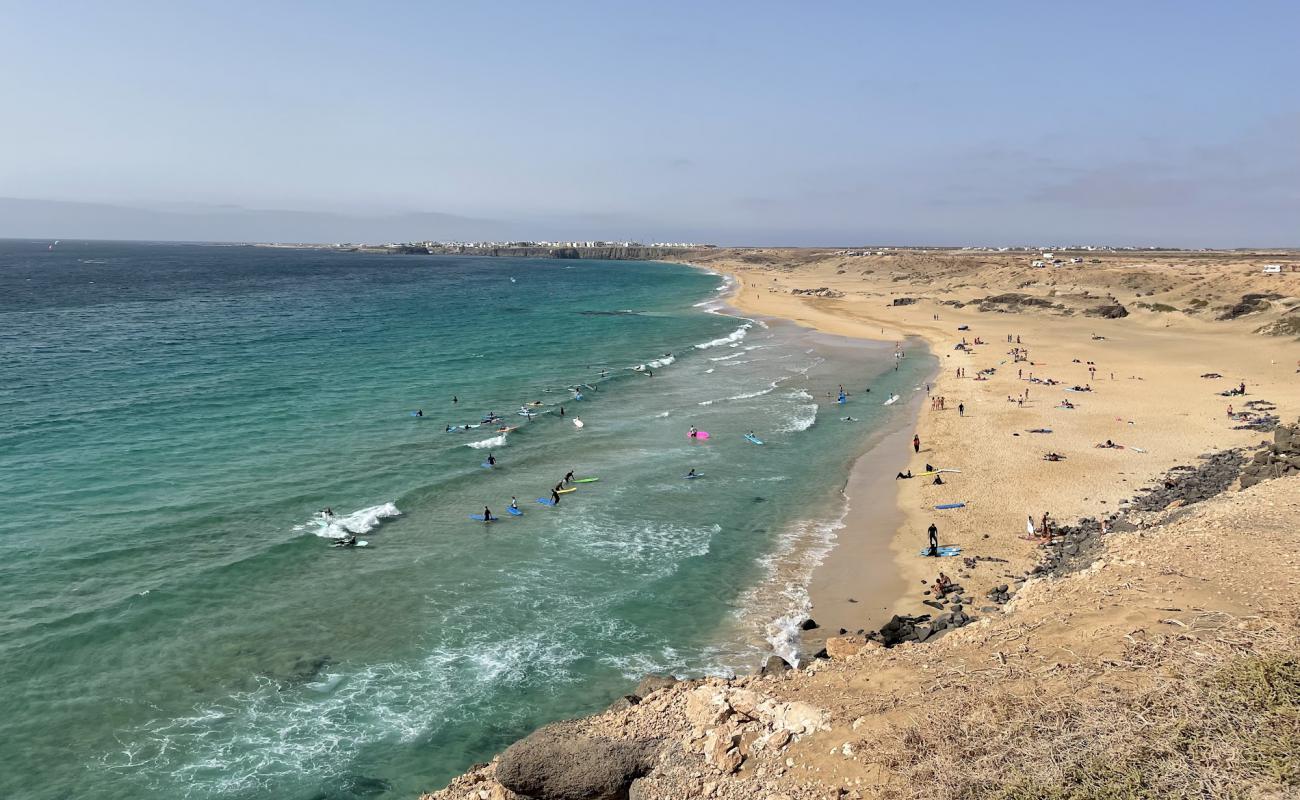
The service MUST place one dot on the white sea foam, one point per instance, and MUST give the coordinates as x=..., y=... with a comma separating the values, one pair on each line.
x=708, y=371
x=804, y=417
x=725, y=358
x=655, y=364
x=743, y=396
x=731, y=338
x=779, y=603
x=662, y=414
x=495, y=441
x=362, y=521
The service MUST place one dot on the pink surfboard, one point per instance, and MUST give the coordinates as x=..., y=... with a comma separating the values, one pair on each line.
x=699, y=435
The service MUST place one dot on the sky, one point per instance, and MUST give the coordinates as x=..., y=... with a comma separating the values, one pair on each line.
x=764, y=123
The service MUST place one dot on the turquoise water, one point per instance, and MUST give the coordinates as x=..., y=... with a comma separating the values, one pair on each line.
x=175, y=622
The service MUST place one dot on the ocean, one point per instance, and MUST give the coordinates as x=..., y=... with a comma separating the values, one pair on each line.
x=174, y=620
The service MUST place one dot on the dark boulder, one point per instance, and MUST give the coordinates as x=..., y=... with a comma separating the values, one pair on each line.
x=555, y=763
x=809, y=624
x=775, y=665
x=1107, y=311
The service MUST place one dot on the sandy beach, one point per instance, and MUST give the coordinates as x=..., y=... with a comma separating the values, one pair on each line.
x=1144, y=374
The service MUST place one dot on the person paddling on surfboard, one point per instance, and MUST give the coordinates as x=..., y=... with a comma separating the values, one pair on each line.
x=568, y=478
x=691, y=474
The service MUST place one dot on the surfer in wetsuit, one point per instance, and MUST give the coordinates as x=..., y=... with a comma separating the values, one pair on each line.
x=347, y=541
x=555, y=496
x=561, y=411
x=934, y=540
x=454, y=399
x=419, y=412
x=514, y=503
x=328, y=513
x=487, y=515
x=448, y=429
x=492, y=460
x=691, y=474
x=568, y=478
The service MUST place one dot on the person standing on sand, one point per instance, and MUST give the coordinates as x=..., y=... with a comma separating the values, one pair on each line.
x=934, y=540
x=916, y=443
x=961, y=409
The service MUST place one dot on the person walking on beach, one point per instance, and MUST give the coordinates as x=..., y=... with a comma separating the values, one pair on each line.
x=916, y=443
x=934, y=540
x=961, y=409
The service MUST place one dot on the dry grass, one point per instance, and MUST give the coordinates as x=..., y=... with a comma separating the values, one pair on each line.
x=1214, y=713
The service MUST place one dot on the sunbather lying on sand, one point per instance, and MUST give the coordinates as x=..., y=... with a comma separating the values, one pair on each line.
x=1111, y=445
x=1053, y=457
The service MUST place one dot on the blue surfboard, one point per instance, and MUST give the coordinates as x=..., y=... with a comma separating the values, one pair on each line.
x=486, y=464
x=514, y=512
x=950, y=505
x=546, y=501
x=479, y=517
x=944, y=552
x=753, y=439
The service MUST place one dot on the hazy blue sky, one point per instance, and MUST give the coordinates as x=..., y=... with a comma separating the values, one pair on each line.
x=783, y=122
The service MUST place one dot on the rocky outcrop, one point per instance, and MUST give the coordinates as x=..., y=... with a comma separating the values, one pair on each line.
x=821, y=291
x=1107, y=311
x=555, y=763
x=1280, y=458
x=1250, y=304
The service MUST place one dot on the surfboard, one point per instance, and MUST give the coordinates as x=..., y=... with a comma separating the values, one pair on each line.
x=891, y=400
x=577, y=423
x=698, y=435
x=944, y=552
x=693, y=477
x=946, y=506
x=935, y=472
x=753, y=439
x=417, y=416
x=479, y=517
x=486, y=465
x=546, y=501
x=514, y=512
x=842, y=400
x=362, y=543
x=566, y=491
x=586, y=480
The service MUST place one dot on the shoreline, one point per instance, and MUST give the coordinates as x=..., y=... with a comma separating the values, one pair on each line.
x=863, y=580
x=860, y=582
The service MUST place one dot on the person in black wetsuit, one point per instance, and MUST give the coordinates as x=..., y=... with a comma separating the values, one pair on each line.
x=492, y=460
x=487, y=515
x=568, y=478
x=555, y=496
x=934, y=540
